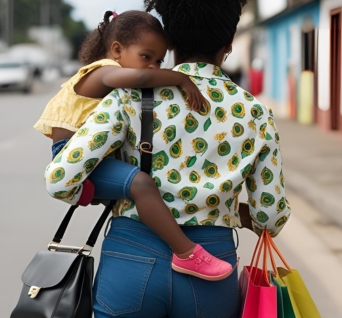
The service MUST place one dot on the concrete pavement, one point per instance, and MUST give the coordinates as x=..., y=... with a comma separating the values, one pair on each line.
x=29, y=217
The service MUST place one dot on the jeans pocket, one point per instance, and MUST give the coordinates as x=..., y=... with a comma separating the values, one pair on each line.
x=217, y=299
x=122, y=282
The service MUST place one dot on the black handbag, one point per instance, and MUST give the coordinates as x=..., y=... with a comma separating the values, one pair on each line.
x=58, y=282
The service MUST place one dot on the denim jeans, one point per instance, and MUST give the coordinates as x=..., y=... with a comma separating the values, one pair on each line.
x=135, y=278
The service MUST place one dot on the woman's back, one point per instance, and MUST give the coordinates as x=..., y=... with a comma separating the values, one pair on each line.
x=201, y=159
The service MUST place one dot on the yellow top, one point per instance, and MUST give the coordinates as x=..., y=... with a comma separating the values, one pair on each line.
x=67, y=109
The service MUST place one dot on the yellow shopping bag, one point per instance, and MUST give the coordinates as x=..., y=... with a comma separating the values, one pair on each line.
x=301, y=301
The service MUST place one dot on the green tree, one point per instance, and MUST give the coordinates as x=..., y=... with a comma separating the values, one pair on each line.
x=28, y=13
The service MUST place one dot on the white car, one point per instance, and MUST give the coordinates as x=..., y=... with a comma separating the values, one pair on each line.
x=16, y=75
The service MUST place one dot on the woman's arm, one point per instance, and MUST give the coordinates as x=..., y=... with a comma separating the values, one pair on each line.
x=85, y=150
x=245, y=218
x=268, y=206
x=110, y=77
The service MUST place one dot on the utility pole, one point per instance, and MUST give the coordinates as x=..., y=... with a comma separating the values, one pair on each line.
x=7, y=25
x=56, y=9
x=45, y=12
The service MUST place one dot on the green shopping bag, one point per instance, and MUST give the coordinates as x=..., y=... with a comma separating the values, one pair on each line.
x=284, y=305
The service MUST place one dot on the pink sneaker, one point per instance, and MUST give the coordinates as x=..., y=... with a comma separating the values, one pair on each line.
x=203, y=265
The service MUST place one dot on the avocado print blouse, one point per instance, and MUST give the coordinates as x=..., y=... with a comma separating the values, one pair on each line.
x=200, y=159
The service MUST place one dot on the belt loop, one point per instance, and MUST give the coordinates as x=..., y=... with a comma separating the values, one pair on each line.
x=237, y=238
x=107, y=225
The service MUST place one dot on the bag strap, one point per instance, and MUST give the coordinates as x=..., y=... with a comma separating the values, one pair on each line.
x=96, y=230
x=146, y=163
x=146, y=143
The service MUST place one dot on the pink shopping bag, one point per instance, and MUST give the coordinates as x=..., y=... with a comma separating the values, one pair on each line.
x=258, y=296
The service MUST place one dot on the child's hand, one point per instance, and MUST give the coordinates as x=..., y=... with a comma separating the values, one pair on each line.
x=195, y=99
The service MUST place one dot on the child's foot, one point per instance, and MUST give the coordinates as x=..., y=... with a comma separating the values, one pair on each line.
x=186, y=254
x=203, y=265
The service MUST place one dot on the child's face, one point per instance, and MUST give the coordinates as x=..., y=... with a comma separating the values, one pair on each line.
x=149, y=52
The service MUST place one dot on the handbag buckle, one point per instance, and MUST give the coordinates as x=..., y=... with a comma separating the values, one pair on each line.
x=147, y=149
x=33, y=292
x=53, y=246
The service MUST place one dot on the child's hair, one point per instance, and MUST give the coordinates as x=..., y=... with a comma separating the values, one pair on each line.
x=125, y=28
x=198, y=27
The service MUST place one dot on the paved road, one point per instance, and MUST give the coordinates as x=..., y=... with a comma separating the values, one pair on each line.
x=29, y=217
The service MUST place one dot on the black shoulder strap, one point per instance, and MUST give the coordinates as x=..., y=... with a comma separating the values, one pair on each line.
x=146, y=147
x=146, y=143
x=96, y=230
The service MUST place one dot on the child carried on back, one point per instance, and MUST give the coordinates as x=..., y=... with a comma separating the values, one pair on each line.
x=125, y=51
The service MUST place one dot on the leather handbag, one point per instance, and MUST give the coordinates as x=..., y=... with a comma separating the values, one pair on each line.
x=58, y=282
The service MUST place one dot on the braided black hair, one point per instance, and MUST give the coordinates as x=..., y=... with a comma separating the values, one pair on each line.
x=198, y=27
x=126, y=28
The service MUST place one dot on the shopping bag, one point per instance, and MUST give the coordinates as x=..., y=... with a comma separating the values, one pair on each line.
x=293, y=288
x=302, y=303
x=284, y=305
x=259, y=297
x=280, y=306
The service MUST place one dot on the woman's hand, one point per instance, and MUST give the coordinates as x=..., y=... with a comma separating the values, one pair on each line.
x=195, y=99
x=245, y=217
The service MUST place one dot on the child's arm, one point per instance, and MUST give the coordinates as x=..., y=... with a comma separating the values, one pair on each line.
x=117, y=77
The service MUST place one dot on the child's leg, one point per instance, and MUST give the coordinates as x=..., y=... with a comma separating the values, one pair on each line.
x=114, y=179
x=156, y=215
x=144, y=192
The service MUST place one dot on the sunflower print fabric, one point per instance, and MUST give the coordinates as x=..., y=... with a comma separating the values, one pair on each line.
x=200, y=159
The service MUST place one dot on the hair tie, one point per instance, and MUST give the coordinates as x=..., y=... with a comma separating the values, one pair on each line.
x=115, y=15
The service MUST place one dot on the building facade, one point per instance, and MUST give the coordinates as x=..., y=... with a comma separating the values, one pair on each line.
x=300, y=44
x=329, y=66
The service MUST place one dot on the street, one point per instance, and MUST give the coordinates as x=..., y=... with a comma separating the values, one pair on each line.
x=29, y=217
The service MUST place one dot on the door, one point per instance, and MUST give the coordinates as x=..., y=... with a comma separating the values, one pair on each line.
x=335, y=69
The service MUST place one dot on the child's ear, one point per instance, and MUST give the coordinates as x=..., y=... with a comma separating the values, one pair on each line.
x=116, y=50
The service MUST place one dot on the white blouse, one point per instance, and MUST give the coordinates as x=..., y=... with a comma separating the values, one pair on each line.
x=200, y=159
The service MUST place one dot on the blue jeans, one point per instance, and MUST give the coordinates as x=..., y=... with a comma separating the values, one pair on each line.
x=112, y=178
x=135, y=278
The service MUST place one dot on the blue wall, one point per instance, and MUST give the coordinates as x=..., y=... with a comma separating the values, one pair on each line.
x=279, y=46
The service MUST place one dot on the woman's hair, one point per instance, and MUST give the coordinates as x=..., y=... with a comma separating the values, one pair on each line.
x=125, y=28
x=198, y=27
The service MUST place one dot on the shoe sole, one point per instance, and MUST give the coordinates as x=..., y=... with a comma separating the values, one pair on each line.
x=205, y=277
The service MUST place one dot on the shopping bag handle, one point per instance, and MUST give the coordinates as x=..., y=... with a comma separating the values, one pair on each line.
x=257, y=249
x=261, y=245
x=268, y=245
x=265, y=243
x=275, y=248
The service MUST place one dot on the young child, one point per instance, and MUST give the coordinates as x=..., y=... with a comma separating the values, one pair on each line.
x=125, y=51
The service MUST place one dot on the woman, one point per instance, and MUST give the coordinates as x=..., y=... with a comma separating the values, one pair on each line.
x=200, y=161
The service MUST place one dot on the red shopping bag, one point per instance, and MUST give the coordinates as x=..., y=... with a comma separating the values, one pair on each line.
x=259, y=297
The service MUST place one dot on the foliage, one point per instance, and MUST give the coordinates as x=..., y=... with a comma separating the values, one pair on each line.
x=27, y=13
